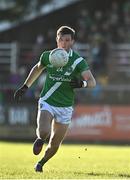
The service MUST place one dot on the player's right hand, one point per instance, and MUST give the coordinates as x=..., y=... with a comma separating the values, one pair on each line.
x=76, y=83
x=20, y=92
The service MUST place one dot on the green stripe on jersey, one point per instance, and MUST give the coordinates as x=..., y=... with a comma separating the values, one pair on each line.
x=57, y=90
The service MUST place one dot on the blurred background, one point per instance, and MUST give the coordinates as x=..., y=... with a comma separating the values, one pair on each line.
x=28, y=27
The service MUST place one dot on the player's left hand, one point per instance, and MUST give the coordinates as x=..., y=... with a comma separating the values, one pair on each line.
x=76, y=83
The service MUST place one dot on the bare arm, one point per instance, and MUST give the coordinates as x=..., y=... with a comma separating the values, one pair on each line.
x=34, y=74
x=87, y=76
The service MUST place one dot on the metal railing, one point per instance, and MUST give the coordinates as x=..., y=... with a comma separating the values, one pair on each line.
x=8, y=57
x=14, y=55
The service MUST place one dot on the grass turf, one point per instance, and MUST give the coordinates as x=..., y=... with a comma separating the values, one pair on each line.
x=70, y=162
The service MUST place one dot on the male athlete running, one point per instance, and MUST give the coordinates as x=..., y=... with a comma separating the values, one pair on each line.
x=56, y=101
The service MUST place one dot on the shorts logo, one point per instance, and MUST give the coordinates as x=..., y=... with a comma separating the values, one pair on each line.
x=41, y=105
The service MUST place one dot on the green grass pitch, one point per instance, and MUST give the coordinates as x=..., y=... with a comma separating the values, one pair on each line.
x=71, y=162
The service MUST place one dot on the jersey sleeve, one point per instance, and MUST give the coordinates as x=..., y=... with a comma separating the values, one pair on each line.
x=82, y=66
x=44, y=58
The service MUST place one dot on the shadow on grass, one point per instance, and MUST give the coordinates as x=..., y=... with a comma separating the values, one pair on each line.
x=109, y=174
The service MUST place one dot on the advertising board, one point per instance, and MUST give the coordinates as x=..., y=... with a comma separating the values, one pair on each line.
x=99, y=123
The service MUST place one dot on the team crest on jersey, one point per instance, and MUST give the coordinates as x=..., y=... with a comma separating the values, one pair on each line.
x=69, y=70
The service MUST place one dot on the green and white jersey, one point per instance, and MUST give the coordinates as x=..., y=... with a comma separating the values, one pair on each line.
x=57, y=90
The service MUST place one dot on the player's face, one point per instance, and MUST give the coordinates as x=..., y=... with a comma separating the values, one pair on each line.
x=64, y=41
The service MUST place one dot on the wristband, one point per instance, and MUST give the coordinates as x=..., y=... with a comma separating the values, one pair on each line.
x=85, y=84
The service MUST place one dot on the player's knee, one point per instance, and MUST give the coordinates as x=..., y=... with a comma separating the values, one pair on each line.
x=42, y=133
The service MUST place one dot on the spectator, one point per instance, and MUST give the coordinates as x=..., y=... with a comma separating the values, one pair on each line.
x=98, y=54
